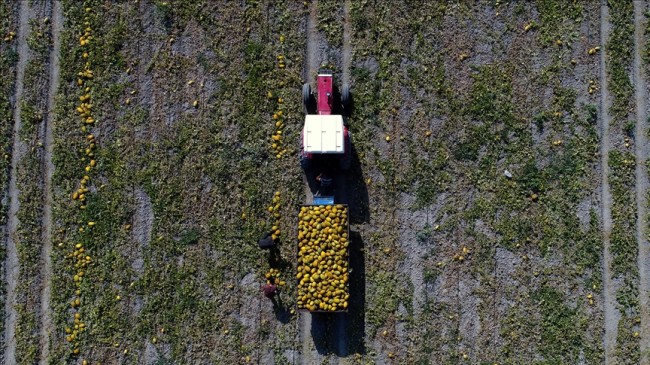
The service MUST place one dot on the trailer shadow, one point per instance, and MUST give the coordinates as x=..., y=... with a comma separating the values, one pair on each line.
x=355, y=329
x=344, y=334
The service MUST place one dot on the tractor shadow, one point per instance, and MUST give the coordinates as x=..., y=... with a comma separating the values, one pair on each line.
x=352, y=190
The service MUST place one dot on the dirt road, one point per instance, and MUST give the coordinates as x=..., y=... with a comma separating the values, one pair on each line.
x=342, y=321
x=46, y=270
x=612, y=315
x=347, y=38
x=308, y=355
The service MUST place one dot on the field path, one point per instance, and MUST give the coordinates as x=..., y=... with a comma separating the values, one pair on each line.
x=46, y=273
x=612, y=315
x=308, y=356
x=11, y=263
x=342, y=320
x=347, y=38
x=313, y=45
x=641, y=151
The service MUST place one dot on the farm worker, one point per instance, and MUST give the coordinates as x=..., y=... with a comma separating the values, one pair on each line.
x=325, y=183
x=324, y=180
x=266, y=242
x=270, y=290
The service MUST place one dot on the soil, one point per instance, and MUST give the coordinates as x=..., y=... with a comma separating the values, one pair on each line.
x=11, y=263
x=612, y=314
x=315, y=45
x=347, y=43
x=307, y=349
x=341, y=333
x=46, y=310
x=142, y=227
x=414, y=249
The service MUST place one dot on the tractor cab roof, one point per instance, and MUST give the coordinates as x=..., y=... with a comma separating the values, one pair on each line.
x=324, y=134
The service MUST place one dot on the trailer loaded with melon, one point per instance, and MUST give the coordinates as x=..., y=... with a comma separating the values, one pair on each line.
x=323, y=226
x=323, y=266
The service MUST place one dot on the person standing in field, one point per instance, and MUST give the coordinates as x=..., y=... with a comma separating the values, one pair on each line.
x=270, y=290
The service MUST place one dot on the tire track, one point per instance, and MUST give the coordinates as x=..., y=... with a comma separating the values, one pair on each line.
x=11, y=263
x=46, y=273
x=342, y=320
x=642, y=184
x=313, y=49
x=612, y=315
x=311, y=67
x=347, y=38
x=308, y=356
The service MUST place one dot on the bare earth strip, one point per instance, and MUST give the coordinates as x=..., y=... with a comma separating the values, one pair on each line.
x=46, y=273
x=342, y=320
x=641, y=150
x=313, y=50
x=612, y=315
x=347, y=38
x=11, y=263
x=311, y=67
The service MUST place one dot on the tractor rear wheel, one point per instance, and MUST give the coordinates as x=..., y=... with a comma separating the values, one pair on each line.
x=306, y=97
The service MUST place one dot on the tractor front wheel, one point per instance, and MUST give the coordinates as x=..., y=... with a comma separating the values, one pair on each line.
x=346, y=99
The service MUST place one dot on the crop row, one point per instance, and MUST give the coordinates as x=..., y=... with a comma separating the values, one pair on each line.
x=8, y=59
x=75, y=187
x=622, y=163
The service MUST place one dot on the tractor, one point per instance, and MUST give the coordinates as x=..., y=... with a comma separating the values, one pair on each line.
x=325, y=147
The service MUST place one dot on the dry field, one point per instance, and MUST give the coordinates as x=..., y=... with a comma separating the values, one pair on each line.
x=498, y=195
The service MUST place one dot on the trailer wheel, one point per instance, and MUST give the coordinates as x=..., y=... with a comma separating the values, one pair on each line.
x=306, y=97
x=346, y=99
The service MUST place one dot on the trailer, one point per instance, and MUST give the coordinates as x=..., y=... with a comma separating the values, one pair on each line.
x=323, y=258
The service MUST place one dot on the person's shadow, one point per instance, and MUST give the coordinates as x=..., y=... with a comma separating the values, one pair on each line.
x=279, y=308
